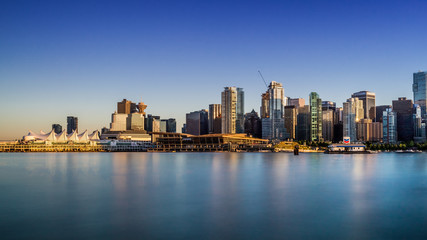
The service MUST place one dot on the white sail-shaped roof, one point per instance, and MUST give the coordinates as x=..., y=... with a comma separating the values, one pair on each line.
x=73, y=137
x=83, y=137
x=50, y=136
x=94, y=136
x=62, y=137
x=42, y=132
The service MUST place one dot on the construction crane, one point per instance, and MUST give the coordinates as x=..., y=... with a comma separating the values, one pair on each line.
x=263, y=78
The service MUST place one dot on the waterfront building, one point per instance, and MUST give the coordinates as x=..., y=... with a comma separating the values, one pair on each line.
x=379, y=112
x=303, y=123
x=215, y=118
x=297, y=102
x=273, y=127
x=57, y=128
x=171, y=125
x=368, y=99
x=315, y=117
x=152, y=123
x=265, y=105
x=404, y=109
x=352, y=113
x=368, y=131
x=328, y=124
x=126, y=107
x=291, y=113
x=72, y=124
x=338, y=125
x=419, y=125
x=390, y=126
x=129, y=116
x=184, y=128
x=197, y=122
x=232, y=110
x=420, y=91
x=253, y=124
x=163, y=125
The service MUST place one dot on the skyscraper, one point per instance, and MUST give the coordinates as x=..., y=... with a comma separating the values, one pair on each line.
x=297, y=102
x=352, y=113
x=328, y=114
x=240, y=111
x=197, y=122
x=389, y=126
x=215, y=118
x=303, y=123
x=72, y=124
x=57, y=128
x=419, y=125
x=420, y=91
x=368, y=99
x=273, y=127
x=228, y=110
x=404, y=110
x=379, y=112
x=315, y=117
x=291, y=121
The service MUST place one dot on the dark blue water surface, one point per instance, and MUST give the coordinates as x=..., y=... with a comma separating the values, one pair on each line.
x=212, y=196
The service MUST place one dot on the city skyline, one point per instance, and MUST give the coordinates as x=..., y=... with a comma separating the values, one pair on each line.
x=62, y=59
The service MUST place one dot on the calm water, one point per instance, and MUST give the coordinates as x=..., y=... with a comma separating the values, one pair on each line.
x=213, y=196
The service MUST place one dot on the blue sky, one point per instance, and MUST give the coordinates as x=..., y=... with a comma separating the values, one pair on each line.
x=60, y=58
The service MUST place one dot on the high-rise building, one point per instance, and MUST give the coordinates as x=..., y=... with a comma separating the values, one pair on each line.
x=171, y=125
x=126, y=107
x=240, y=111
x=419, y=125
x=297, y=102
x=389, y=126
x=404, y=109
x=328, y=105
x=328, y=124
x=338, y=125
x=368, y=99
x=152, y=123
x=303, y=123
x=215, y=118
x=57, y=128
x=291, y=113
x=352, y=113
x=315, y=117
x=368, y=131
x=273, y=127
x=253, y=124
x=228, y=110
x=72, y=124
x=379, y=112
x=197, y=122
x=420, y=91
x=265, y=105
x=163, y=125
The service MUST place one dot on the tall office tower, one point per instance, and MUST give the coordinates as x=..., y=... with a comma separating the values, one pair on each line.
x=368, y=99
x=240, y=111
x=352, y=113
x=368, y=131
x=215, y=118
x=291, y=113
x=303, y=123
x=72, y=124
x=315, y=117
x=163, y=125
x=328, y=124
x=297, y=102
x=57, y=128
x=419, y=125
x=184, y=128
x=379, y=112
x=152, y=123
x=171, y=125
x=338, y=125
x=377, y=132
x=228, y=110
x=265, y=105
x=389, y=126
x=273, y=127
x=420, y=91
x=404, y=109
x=126, y=107
x=253, y=124
x=197, y=122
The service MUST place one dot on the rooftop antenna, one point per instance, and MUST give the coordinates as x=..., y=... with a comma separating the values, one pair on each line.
x=262, y=78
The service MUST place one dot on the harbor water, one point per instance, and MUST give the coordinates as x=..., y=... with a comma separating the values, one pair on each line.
x=213, y=196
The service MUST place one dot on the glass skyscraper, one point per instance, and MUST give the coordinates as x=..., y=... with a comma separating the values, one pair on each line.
x=232, y=110
x=420, y=91
x=368, y=99
x=315, y=117
x=273, y=127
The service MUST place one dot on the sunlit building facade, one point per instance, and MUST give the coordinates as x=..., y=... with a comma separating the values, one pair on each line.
x=315, y=117
x=273, y=127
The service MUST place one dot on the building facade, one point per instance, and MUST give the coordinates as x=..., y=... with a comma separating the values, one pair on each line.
x=297, y=102
x=215, y=118
x=273, y=127
x=253, y=124
x=72, y=124
x=197, y=122
x=420, y=91
x=57, y=128
x=291, y=113
x=404, y=110
x=389, y=126
x=315, y=117
x=352, y=113
x=228, y=110
x=303, y=123
x=368, y=99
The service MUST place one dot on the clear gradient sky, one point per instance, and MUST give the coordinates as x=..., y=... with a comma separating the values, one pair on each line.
x=60, y=58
